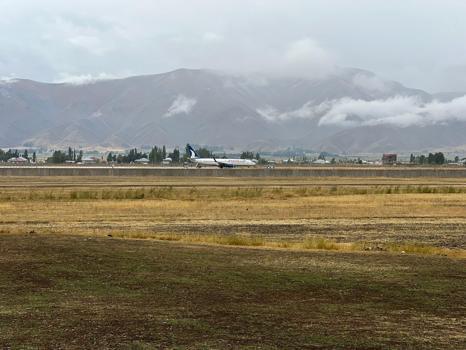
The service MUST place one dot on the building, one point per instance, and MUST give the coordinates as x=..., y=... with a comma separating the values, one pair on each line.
x=18, y=160
x=89, y=160
x=389, y=159
x=167, y=161
x=142, y=161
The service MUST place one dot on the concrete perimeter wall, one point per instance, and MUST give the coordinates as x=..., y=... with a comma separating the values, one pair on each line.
x=256, y=172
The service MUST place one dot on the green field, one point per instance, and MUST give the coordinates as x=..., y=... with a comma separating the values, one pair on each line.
x=227, y=263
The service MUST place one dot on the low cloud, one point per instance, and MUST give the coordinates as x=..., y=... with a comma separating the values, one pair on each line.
x=370, y=83
x=306, y=111
x=306, y=58
x=8, y=80
x=89, y=43
x=400, y=111
x=83, y=79
x=182, y=104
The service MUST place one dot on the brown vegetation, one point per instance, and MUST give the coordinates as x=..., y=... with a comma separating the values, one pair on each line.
x=353, y=212
x=162, y=263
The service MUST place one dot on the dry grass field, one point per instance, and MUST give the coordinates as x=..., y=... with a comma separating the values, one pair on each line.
x=142, y=263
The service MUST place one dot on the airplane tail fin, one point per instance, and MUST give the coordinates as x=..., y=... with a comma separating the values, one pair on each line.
x=193, y=153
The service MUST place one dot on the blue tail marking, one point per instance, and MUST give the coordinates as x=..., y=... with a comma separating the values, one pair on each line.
x=193, y=153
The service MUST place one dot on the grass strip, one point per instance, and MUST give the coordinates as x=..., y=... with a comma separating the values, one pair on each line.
x=308, y=243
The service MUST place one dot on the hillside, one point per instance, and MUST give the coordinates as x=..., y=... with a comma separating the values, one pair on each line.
x=208, y=107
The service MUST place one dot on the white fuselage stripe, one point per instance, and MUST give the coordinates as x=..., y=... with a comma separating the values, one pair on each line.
x=219, y=161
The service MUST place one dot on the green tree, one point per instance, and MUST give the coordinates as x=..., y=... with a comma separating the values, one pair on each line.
x=4, y=156
x=70, y=154
x=156, y=155
x=57, y=157
x=34, y=157
x=430, y=158
x=259, y=159
x=110, y=157
x=131, y=156
x=439, y=158
x=187, y=154
x=175, y=155
x=152, y=155
x=247, y=155
x=204, y=152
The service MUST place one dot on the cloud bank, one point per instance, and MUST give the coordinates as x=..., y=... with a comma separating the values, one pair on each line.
x=83, y=79
x=306, y=111
x=182, y=104
x=7, y=80
x=399, y=111
x=371, y=83
x=306, y=58
x=40, y=39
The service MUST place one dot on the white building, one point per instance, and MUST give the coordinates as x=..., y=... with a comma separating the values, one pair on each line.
x=321, y=161
x=18, y=160
x=89, y=160
x=167, y=161
x=142, y=161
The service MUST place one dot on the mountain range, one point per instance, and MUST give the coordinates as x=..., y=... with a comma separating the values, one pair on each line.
x=349, y=111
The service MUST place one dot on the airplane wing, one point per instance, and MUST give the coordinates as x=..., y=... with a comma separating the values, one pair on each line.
x=222, y=164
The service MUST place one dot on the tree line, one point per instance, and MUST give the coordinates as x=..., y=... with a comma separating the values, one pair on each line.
x=66, y=156
x=5, y=156
x=155, y=156
x=432, y=158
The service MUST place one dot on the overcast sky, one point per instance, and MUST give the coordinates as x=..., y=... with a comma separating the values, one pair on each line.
x=420, y=43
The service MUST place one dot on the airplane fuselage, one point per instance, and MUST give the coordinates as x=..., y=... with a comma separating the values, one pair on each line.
x=218, y=162
x=223, y=163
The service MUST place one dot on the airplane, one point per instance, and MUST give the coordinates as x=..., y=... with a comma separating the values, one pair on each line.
x=221, y=163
